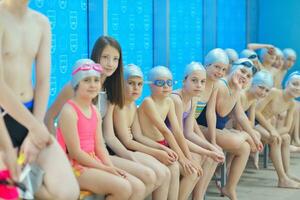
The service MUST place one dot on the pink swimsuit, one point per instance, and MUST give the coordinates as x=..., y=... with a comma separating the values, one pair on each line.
x=86, y=128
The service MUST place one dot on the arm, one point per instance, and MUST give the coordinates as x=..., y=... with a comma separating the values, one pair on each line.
x=110, y=138
x=154, y=116
x=252, y=113
x=211, y=117
x=68, y=127
x=122, y=131
x=255, y=46
x=100, y=149
x=289, y=119
x=52, y=113
x=42, y=66
x=260, y=107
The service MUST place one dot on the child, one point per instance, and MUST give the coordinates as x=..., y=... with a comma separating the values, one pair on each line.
x=79, y=133
x=107, y=52
x=152, y=113
x=216, y=114
x=127, y=128
x=251, y=55
x=185, y=100
x=279, y=140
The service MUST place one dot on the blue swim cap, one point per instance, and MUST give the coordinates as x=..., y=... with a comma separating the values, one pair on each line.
x=193, y=66
x=263, y=78
x=131, y=70
x=248, y=53
x=243, y=63
x=293, y=75
x=262, y=53
x=232, y=55
x=159, y=72
x=216, y=56
x=288, y=52
x=279, y=52
x=84, y=68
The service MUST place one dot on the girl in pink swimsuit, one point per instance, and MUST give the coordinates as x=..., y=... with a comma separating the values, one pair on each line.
x=80, y=135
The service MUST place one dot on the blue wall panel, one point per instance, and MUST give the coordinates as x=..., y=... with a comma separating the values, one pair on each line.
x=69, y=37
x=185, y=35
x=231, y=24
x=131, y=23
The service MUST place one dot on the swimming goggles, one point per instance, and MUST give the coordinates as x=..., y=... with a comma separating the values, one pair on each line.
x=248, y=65
x=87, y=67
x=162, y=83
x=254, y=56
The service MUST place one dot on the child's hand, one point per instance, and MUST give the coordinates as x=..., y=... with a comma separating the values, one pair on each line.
x=29, y=150
x=10, y=161
x=198, y=167
x=187, y=166
x=116, y=171
x=171, y=153
x=164, y=157
x=40, y=136
x=217, y=157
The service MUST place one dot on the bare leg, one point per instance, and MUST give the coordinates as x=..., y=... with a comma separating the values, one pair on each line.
x=59, y=181
x=145, y=177
x=101, y=182
x=209, y=166
x=187, y=184
x=163, y=175
x=276, y=157
x=175, y=178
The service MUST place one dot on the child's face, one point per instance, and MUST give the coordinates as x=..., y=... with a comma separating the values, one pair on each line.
x=260, y=91
x=279, y=62
x=109, y=60
x=133, y=88
x=162, y=86
x=89, y=87
x=195, y=83
x=216, y=71
x=242, y=76
x=294, y=87
x=289, y=62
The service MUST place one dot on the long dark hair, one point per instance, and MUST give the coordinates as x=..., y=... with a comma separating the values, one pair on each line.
x=114, y=84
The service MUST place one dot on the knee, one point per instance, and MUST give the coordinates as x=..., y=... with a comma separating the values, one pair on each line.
x=286, y=139
x=67, y=193
x=192, y=177
x=174, y=169
x=138, y=188
x=163, y=175
x=245, y=149
x=149, y=177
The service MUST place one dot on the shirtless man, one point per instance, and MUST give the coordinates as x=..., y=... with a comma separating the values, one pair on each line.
x=24, y=41
x=279, y=139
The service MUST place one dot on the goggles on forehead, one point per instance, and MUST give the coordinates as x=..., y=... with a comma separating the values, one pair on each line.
x=254, y=56
x=162, y=83
x=87, y=67
x=248, y=65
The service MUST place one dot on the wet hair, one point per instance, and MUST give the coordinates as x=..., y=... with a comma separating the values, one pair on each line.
x=114, y=84
x=263, y=78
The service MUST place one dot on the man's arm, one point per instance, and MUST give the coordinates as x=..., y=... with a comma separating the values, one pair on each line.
x=42, y=66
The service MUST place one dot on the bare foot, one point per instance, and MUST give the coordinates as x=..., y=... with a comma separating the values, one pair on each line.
x=230, y=194
x=294, y=148
x=294, y=178
x=255, y=158
x=289, y=183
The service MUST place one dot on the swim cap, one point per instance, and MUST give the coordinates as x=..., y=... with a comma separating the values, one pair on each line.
x=216, y=56
x=288, y=52
x=158, y=72
x=293, y=75
x=84, y=68
x=263, y=78
x=248, y=53
x=131, y=70
x=279, y=52
x=232, y=54
x=243, y=63
x=193, y=66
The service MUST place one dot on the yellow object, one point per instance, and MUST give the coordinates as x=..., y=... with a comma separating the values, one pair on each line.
x=21, y=159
